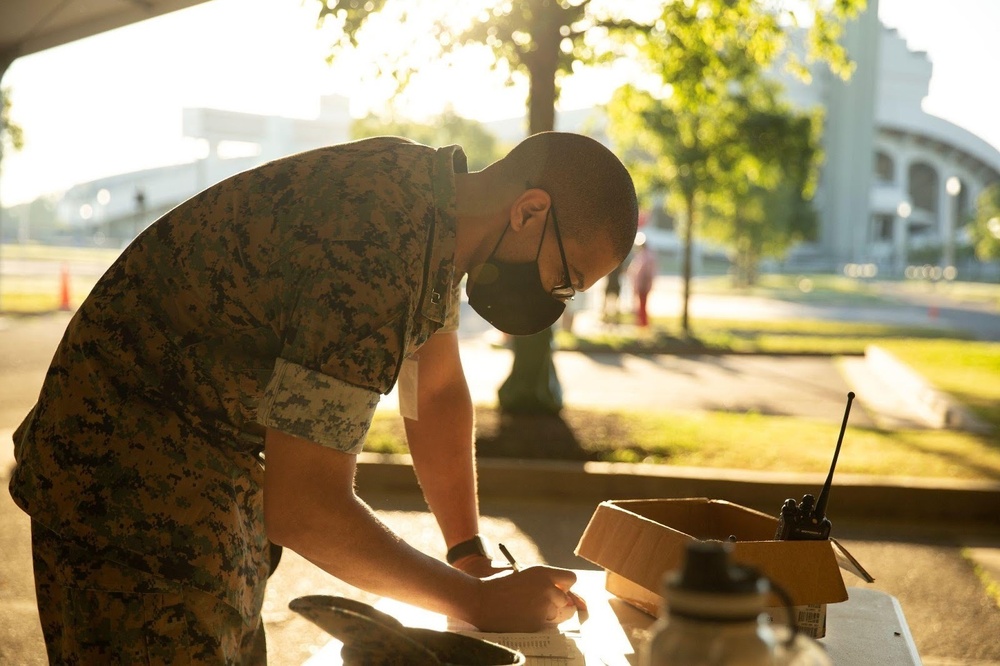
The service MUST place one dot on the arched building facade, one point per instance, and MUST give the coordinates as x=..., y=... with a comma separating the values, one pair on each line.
x=898, y=184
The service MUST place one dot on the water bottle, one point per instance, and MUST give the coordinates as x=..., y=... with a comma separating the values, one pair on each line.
x=714, y=615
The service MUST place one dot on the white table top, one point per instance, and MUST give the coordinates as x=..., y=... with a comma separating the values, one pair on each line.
x=867, y=629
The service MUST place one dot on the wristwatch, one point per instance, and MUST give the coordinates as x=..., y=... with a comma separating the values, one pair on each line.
x=477, y=545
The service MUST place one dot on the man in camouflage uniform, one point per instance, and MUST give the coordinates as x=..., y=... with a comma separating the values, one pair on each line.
x=268, y=313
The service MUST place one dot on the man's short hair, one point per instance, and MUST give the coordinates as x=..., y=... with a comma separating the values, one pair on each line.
x=591, y=190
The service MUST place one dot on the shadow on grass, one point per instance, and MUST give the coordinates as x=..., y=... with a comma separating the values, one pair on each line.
x=990, y=472
x=528, y=436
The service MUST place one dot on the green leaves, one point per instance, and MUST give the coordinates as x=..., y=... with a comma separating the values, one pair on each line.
x=984, y=229
x=446, y=129
x=11, y=135
x=350, y=16
x=541, y=40
x=715, y=135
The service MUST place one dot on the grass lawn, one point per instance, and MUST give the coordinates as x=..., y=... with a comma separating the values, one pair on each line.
x=749, y=337
x=967, y=370
x=717, y=439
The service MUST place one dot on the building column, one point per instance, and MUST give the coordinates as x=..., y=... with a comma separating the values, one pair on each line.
x=952, y=190
x=901, y=238
x=848, y=143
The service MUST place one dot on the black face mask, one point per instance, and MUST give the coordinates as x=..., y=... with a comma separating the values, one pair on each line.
x=510, y=295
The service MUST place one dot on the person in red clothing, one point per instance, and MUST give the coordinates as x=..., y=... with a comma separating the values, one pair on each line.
x=641, y=272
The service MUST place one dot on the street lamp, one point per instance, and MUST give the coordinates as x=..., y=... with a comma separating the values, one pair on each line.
x=954, y=187
x=901, y=237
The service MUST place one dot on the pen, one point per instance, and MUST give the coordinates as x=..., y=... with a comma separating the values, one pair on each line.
x=510, y=558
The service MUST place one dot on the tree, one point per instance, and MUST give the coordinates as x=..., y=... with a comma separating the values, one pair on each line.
x=544, y=40
x=762, y=221
x=984, y=229
x=11, y=135
x=540, y=40
x=711, y=133
x=448, y=128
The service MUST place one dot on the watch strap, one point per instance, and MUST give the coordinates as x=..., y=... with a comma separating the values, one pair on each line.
x=477, y=545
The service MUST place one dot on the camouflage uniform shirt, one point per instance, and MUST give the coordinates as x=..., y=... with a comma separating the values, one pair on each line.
x=286, y=296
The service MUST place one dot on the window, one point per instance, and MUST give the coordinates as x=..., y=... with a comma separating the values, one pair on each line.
x=885, y=168
x=882, y=227
x=923, y=187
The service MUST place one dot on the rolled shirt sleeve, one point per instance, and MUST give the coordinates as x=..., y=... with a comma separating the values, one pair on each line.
x=317, y=407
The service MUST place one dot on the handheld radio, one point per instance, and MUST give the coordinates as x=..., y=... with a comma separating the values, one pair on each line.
x=806, y=520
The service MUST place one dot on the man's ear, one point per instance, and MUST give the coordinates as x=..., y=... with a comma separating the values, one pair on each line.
x=533, y=204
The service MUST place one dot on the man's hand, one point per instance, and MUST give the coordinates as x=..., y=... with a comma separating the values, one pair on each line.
x=526, y=600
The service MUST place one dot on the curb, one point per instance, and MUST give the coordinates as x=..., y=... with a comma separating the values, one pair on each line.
x=936, y=408
x=897, y=499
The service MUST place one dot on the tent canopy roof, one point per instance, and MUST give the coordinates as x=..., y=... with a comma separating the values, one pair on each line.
x=29, y=26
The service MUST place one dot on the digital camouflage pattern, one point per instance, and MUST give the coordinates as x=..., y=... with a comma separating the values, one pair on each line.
x=285, y=296
x=94, y=611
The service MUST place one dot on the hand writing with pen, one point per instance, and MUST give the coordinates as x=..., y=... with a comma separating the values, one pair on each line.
x=541, y=594
x=572, y=603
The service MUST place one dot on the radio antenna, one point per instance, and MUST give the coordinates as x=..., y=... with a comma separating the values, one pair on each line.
x=820, y=511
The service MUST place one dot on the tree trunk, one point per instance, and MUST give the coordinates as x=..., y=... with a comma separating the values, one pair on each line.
x=541, y=103
x=686, y=263
x=741, y=263
x=542, y=62
x=533, y=385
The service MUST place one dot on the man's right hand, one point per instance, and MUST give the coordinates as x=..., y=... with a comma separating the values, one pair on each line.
x=526, y=600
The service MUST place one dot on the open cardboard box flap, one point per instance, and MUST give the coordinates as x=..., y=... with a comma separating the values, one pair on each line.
x=638, y=541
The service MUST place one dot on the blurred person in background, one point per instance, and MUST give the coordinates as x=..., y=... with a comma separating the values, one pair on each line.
x=610, y=309
x=641, y=273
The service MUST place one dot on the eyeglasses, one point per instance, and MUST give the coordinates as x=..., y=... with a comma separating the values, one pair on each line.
x=564, y=291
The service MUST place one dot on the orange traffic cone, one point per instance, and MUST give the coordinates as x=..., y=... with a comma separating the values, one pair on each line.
x=64, y=303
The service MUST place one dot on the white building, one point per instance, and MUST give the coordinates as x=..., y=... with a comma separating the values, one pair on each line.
x=114, y=209
x=896, y=179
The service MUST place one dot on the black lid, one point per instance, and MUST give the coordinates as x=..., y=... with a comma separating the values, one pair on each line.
x=707, y=569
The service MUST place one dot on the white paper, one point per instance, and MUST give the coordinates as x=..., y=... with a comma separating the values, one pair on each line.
x=544, y=648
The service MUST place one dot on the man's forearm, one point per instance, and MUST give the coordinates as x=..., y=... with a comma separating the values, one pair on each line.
x=362, y=551
x=441, y=439
x=310, y=507
x=441, y=443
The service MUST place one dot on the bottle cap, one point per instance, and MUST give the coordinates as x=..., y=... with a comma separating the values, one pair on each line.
x=710, y=586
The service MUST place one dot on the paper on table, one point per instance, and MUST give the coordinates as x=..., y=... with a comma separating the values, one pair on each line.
x=537, y=647
x=545, y=648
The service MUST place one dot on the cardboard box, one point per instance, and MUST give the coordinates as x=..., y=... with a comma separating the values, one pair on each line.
x=638, y=541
